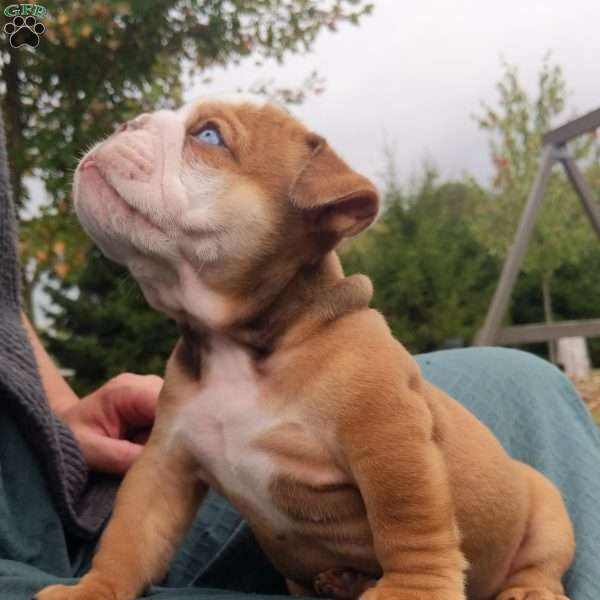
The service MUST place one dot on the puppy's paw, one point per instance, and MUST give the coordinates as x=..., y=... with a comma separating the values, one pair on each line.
x=517, y=593
x=391, y=593
x=87, y=591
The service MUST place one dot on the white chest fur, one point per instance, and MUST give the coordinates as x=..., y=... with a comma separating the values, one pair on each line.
x=220, y=426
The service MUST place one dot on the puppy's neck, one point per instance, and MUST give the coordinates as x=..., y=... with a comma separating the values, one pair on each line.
x=316, y=294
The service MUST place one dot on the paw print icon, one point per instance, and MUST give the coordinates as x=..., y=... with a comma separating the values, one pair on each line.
x=24, y=32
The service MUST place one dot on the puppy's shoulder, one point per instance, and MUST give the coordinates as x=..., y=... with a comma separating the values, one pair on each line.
x=359, y=346
x=367, y=334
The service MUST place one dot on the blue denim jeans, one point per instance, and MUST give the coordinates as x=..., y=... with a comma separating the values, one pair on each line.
x=530, y=406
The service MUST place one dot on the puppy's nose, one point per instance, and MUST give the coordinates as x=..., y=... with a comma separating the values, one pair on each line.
x=133, y=124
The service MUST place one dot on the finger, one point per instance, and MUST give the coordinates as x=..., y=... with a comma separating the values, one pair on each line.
x=149, y=382
x=109, y=455
x=137, y=408
x=135, y=404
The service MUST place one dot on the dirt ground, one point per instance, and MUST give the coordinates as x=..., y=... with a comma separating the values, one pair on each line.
x=590, y=391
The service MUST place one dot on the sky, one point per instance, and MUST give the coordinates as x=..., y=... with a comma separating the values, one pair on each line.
x=411, y=75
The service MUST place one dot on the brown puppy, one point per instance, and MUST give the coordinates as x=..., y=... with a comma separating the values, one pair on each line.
x=286, y=392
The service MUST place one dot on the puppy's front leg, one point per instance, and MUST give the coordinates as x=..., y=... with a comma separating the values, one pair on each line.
x=403, y=480
x=155, y=505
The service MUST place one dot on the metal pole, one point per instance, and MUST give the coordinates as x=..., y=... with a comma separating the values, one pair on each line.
x=488, y=334
x=590, y=204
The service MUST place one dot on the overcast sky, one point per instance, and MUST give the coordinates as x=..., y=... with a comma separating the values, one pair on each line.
x=413, y=72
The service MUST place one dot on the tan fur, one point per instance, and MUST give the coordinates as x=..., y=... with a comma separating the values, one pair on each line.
x=350, y=459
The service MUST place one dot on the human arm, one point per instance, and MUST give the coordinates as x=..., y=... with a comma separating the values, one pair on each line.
x=59, y=393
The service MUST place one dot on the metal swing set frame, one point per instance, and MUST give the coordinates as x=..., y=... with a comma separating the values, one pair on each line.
x=554, y=150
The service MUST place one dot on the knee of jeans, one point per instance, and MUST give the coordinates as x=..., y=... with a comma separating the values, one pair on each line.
x=497, y=372
x=514, y=359
x=526, y=375
x=519, y=363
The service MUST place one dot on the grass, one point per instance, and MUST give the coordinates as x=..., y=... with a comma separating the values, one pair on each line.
x=589, y=389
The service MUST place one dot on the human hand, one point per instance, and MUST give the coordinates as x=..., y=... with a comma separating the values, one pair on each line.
x=112, y=423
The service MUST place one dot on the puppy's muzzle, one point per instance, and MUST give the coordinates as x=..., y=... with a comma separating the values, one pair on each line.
x=133, y=124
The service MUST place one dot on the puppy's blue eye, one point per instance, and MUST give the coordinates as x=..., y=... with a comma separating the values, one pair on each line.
x=209, y=135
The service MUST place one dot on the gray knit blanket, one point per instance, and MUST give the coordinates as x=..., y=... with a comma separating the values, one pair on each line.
x=83, y=500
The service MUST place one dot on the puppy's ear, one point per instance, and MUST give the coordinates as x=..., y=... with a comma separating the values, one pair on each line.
x=336, y=199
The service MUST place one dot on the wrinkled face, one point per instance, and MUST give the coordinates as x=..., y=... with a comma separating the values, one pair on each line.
x=205, y=203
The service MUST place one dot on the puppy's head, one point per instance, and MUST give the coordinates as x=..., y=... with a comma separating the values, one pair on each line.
x=218, y=201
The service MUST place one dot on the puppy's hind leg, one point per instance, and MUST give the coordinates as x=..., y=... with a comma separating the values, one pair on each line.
x=547, y=549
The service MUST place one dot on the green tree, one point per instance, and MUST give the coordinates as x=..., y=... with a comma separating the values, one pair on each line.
x=102, y=62
x=104, y=326
x=562, y=234
x=431, y=276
